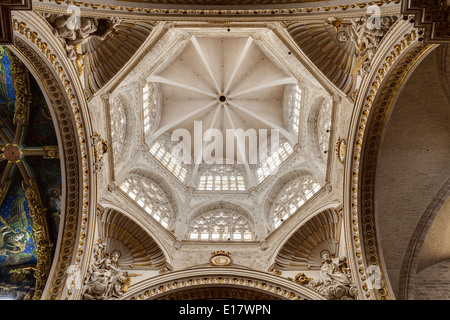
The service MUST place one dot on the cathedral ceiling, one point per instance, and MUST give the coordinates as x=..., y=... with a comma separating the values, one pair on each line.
x=30, y=182
x=154, y=76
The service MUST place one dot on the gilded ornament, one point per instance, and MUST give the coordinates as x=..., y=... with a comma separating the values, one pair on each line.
x=302, y=278
x=220, y=258
x=341, y=149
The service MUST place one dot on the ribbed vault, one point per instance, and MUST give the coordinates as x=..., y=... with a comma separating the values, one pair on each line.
x=137, y=247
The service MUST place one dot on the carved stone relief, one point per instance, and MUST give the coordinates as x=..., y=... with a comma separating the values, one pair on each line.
x=105, y=280
x=366, y=34
x=334, y=282
x=76, y=30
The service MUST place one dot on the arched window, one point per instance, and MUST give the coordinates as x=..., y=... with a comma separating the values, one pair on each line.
x=149, y=196
x=221, y=225
x=271, y=163
x=163, y=153
x=291, y=198
x=221, y=178
x=293, y=102
x=151, y=102
x=324, y=127
x=118, y=126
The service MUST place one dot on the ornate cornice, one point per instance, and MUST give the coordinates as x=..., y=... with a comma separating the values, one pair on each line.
x=280, y=12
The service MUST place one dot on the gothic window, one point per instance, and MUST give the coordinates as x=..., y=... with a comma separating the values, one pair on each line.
x=149, y=196
x=271, y=163
x=164, y=155
x=291, y=198
x=323, y=127
x=118, y=126
x=221, y=225
x=151, y=102
x=221, y=178
x=294, y=101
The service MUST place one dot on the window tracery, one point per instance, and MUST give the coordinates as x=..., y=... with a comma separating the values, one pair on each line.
x=221, y=178
x=221, y=225
x=271, y=163
x=149, y=196
x=291, y=198
x=294, y=102
x=163, y=153
x=118, y=126
x=151, y=102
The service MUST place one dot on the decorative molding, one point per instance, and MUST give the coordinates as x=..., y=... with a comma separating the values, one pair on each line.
x=223, y=14
x=218, y=293
x=213, y=277
x=75, y=159
x=221, y=259
x=388, y=79
x=341, y=149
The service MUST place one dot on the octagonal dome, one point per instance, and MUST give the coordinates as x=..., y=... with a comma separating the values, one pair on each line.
x=224, y=96
x=221, y=109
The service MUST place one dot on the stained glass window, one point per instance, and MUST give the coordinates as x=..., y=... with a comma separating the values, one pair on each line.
x=294, y=101
x=150, y=106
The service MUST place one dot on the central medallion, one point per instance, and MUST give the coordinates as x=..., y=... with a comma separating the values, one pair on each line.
x=12, y=153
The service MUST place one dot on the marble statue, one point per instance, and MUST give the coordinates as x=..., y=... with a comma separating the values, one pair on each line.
x=334, y=282
x=105, y=280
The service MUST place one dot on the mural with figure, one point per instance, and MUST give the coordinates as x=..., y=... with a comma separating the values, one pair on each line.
x=32, y=171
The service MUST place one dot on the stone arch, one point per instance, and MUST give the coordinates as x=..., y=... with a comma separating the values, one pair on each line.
x=301, y=250
x=247, y=281
x=367, y=128
x=411, y=271
x=138, y=248
x=65, y=102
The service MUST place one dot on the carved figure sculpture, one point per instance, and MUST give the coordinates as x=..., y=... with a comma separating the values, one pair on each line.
x=75, y=30
x=365, y=33
x=334, y=282
x=105, y=279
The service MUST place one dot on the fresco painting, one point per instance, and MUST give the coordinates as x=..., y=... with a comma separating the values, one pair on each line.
x=18, y=252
